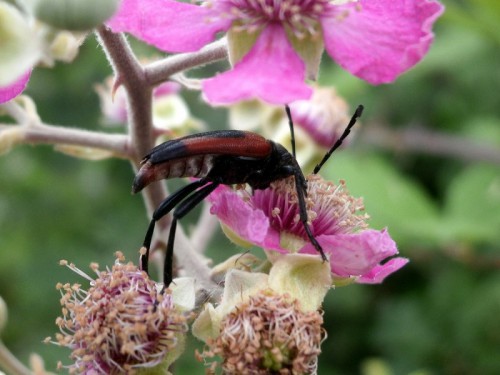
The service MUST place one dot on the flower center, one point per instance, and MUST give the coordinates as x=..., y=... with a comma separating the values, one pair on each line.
x=331, y=209
x=301, y=16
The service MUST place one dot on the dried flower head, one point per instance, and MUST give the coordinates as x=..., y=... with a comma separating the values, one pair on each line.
x=120, y=324
x=268, y=333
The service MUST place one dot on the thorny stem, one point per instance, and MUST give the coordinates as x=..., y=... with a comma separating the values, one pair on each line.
x=129, y=73
x=10, y=363
x=133, y=77
x=160, y=71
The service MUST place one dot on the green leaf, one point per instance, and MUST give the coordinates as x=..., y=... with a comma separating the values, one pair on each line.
x=477, y=15
x=391, y=199
x=472, y=206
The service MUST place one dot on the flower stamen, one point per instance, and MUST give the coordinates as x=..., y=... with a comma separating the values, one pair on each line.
x=121, y=323
x=268, y=333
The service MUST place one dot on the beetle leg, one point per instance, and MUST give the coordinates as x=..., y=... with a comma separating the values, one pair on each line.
x=292, y=133
x=339, y=141
x=163, y=209
x=301, y=193
x=180, y=211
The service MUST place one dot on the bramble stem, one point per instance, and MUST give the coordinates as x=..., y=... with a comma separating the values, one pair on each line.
x=133, y=77
x=31, y=130
x=162, y=70
x=50, y=134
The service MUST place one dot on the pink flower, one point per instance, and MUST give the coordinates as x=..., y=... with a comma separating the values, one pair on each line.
x=269, y=219
x=274, y=43
x=11, y=91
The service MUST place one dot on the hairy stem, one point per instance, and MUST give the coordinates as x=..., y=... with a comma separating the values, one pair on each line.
x=161, y=71
x=132, y=76
x=50, y=134
x=129, y=73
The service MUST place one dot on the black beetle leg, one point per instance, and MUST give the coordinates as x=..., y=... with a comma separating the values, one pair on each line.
x=163, y=209
x=180, y=211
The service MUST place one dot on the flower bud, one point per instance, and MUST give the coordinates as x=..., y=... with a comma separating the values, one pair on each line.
x=20, y=46
x=65, y=45
x=73, y=14
x=324, y=116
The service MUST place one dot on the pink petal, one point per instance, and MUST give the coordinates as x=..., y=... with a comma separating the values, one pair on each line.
x=271, y=71
x=171, y=26
x=11, y=91
x=250, y=224
x=355, y=254
x=377, y=40
x=379, y=273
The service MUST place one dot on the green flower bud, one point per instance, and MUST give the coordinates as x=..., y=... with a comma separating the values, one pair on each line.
x=19, y=45
x=73, y=14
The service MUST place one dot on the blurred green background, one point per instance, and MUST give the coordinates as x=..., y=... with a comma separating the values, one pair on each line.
x=439, y=315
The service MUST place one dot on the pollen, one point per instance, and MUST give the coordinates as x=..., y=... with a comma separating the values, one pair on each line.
x=118, y=325
x=330, y=208
x=268, y=334
x=337, y=211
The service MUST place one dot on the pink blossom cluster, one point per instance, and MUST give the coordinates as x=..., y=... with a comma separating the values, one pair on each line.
x=376, y=40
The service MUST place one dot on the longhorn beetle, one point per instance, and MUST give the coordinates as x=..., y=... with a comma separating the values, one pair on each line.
x=221, y=157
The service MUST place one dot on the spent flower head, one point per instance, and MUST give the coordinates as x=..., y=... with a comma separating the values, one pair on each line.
x=121, y=323
x=279, y=43
x=268, y=323
x=268, y=333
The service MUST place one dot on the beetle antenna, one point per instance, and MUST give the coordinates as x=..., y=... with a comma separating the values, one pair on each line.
x=339, y=141
x=292, y=133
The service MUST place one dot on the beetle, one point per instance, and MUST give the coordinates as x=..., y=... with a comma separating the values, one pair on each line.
x=221, y=157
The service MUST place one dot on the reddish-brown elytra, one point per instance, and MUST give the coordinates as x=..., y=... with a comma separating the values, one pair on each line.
x=221, y=157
